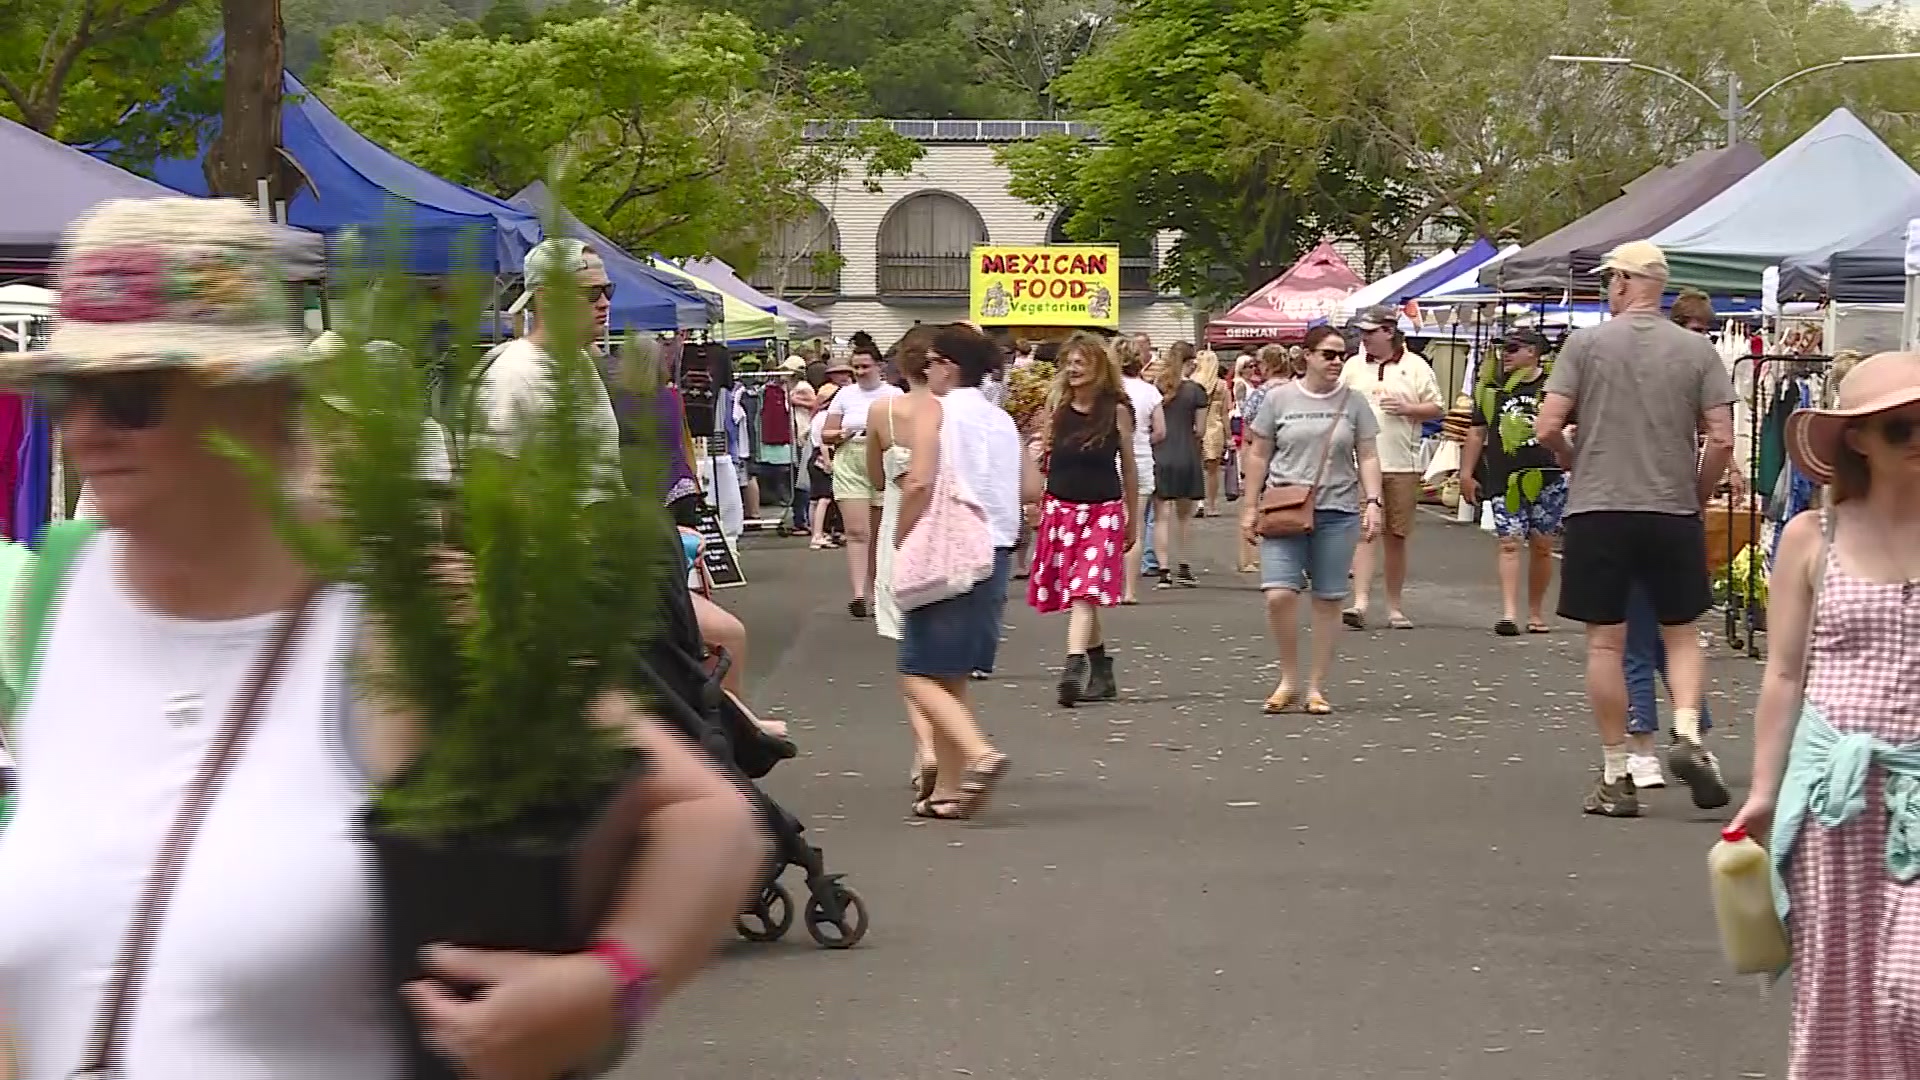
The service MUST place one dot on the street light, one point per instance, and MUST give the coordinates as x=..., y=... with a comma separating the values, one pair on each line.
x=1731, y=110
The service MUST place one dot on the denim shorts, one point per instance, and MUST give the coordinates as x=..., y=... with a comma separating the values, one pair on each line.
x=1324, y=556
x=955, y=637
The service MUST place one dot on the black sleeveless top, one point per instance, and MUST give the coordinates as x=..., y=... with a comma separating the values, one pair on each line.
x=1079, y=471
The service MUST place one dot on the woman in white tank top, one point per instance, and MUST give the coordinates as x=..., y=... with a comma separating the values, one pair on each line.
x=264, y=966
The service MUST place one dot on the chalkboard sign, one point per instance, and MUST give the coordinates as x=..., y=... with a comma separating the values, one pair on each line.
x=718, y=556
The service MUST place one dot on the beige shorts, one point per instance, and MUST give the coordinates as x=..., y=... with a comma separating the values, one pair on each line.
x=1401, y=493
x=850, y=482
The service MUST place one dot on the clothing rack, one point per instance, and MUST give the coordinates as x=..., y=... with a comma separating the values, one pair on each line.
x=755, y=383
x=1744, y=620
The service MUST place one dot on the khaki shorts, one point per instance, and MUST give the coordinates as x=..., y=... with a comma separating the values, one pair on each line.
x=850, y=481
x=1401, y=493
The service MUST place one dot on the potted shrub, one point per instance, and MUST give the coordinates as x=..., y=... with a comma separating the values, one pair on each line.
x=505, y=607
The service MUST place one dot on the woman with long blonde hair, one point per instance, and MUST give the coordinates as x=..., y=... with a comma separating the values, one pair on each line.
x=1213, y=427
x=1087, y=520
x=1179, y=482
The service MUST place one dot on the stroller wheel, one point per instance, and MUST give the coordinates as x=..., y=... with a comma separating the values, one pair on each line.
x=844, y=932
x=770, y=917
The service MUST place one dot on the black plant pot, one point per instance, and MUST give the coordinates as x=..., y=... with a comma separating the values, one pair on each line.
x=542, y=885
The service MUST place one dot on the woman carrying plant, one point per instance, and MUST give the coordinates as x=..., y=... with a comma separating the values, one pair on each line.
x=1314, y=441
x=173, y=334
x=1087, y=520
x=1179, y=482
x=845, y=430
x=944, y=642
x=1836, y=754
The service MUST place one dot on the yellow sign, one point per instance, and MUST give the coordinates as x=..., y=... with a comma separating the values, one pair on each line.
x=1072, y=284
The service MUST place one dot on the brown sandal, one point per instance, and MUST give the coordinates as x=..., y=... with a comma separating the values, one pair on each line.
x=924, y=775
x=940, y=809
x=1279, y=702
x=978, y=782
x=1317, y=705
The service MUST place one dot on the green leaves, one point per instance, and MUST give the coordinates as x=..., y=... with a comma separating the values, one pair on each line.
x=510, y=604
x=71, y=69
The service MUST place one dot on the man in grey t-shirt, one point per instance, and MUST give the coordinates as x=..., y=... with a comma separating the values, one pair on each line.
x=1641, y=391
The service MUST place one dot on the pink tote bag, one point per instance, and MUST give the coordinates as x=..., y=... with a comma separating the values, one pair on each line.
x=950, y=549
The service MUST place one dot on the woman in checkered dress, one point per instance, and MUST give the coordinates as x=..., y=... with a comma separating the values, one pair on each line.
x=1843, y=689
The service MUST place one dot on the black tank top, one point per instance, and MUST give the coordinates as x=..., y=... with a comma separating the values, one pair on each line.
x=1079, y=471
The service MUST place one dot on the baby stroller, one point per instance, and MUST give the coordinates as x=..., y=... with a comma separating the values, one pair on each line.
x=684, y=676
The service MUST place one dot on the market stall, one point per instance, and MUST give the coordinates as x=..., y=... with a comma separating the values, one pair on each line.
x=1311, y=291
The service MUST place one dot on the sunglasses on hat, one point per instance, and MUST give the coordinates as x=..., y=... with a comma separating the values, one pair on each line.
x=131, y=401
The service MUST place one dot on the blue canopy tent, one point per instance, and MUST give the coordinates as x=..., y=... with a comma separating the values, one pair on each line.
x=1475, y=256
x=359, y=185
x=643, y=297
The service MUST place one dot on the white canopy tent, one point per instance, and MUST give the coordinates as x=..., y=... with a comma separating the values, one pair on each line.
x=1382, y=291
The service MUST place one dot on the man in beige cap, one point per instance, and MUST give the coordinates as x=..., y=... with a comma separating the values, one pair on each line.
x=566, y=287
x=1643, y=390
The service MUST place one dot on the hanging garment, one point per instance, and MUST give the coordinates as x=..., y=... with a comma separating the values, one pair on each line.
x=33, y=493
x=13, y=430
x=776, y=417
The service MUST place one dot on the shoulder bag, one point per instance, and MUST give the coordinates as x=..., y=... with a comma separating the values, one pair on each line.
x=106, y=1047
x=950, y=549
x=1287, y=509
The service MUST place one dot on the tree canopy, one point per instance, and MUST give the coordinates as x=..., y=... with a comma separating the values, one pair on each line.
x=679, y=137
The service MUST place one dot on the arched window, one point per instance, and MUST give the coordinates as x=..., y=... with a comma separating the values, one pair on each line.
x=1137, y=262
x=925, y=243
x=802, y=258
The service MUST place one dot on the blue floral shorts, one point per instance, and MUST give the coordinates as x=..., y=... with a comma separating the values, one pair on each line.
x=1541, y=517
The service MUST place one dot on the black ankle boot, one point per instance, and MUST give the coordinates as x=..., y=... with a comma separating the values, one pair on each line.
x=1073, y=680
x=1100, y=684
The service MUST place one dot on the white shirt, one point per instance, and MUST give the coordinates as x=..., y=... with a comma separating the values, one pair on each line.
x=267, y=966
x=851, y=403
x=515, y=385
x=979, y=439
x=1412, y=379
x=1145, y=397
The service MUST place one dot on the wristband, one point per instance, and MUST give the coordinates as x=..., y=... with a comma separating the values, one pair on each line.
x=634, y=981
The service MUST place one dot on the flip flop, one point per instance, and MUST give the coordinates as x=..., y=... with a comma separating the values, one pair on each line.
x=1354, y=618
x=1539, y=628
x=1507, y=628
x=1399, y=622
x=1280, y=701
x=1317, y=706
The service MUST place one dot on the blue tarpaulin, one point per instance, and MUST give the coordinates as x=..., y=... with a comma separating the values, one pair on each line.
x=1477, y=255
x=357, y=184
x=643, y=298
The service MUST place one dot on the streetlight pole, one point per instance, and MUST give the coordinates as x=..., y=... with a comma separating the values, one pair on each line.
x=1731, y=110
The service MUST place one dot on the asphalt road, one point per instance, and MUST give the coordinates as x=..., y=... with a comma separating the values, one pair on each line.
x=1176, y=885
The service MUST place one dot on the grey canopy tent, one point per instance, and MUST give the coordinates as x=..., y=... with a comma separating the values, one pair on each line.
x=1647, y=204
x=45, y=186
x=1833, y=189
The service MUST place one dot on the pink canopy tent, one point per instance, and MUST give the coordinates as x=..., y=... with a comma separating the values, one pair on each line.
x=1311, y=291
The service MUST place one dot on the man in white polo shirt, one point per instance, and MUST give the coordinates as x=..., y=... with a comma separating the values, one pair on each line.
x=1401, y=387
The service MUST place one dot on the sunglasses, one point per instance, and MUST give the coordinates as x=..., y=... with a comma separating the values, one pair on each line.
x=1512, y=347
x=134, y=401
x=601, y=291
x=1896, y=430
x=1330, y=354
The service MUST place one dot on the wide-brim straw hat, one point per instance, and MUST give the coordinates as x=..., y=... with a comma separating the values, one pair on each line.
x=186, y=284
x=1877, y=384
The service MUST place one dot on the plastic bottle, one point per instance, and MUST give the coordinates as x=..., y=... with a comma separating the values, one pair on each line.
x=1750, y=932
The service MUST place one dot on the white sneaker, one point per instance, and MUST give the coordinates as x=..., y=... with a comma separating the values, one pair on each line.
x=1645, y=770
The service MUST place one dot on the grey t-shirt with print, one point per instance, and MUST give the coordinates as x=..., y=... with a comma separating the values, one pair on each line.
x=1639, y=386
x=1297, y=423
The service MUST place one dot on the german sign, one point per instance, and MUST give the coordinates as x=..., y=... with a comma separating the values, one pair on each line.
x=1071, y=284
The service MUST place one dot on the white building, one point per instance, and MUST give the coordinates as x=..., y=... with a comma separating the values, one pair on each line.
x=881, y=261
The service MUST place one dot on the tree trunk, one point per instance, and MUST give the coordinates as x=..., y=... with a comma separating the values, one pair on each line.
x=247, y=149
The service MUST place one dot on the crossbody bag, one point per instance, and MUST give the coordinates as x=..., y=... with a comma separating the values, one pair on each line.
x=1287, y=509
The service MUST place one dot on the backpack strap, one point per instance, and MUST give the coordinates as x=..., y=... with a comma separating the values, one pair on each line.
x=60, y=548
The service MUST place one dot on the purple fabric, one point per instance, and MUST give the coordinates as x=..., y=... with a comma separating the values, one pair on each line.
x=660, y=419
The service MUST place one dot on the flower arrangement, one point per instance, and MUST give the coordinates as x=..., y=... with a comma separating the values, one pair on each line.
x=1027, y=390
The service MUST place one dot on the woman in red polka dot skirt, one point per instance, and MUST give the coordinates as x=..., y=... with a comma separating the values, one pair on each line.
x=1085, y=527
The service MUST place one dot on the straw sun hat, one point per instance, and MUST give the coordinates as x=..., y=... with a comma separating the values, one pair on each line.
x=1878, y=384
x=191, y=284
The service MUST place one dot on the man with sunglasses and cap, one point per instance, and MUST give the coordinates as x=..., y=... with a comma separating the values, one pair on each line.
x=1644, y=391
x=565, y=280
x=1524, y=483
x=1404, y=392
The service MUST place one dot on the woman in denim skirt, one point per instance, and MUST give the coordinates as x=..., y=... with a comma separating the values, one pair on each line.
x=1287, y=445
